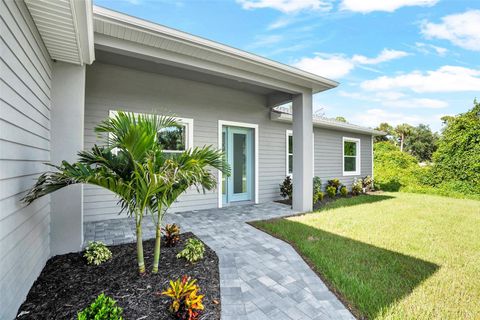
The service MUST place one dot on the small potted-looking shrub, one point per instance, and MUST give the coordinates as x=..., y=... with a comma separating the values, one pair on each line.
x=186, y=302
x=286, y=188
x=103, y=308
x=343, y=191
x=193, y=250
x=97, y=253
x=357, y=187
x=317, y=190
x=331, y=191
x=172, y=235
x=367, y=183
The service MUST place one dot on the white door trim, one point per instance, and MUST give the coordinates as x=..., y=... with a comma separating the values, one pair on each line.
x=222, y=123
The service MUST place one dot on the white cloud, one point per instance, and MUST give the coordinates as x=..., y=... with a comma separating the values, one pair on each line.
x=366, y=6
x=427, y=48
x=444, y=79
x=385, y=55
x=394, y=99
x=338, y=65
x=373, y=117
x=330, y=66
x=461, y=29
x=423, y=103
x=287, y=6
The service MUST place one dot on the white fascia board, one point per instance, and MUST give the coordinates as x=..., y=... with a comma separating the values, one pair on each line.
x=265, y=66
x=328, y=124
x=82, y=12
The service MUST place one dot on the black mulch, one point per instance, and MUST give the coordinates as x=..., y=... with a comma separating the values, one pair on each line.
x=320, y=204
x=67, y=284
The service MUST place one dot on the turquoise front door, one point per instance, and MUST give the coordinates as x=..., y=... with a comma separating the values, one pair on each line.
x=237, y=144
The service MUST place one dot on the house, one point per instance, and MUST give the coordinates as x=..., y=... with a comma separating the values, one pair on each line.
x=66, y=65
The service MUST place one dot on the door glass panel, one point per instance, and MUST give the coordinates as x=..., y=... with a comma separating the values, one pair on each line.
x=239, y=163
x=224, y=149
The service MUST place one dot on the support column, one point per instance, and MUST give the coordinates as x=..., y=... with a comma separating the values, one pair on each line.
x=302, y=152
x=66, y=139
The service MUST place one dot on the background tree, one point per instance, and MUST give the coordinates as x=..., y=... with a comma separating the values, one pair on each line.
x=341, y=119
x=385, y=127
x=421, y=142
x=457, y=158
x=402, y=131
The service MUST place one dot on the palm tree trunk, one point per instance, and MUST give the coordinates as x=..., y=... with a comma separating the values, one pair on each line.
x=156, y=254
x=141, y=263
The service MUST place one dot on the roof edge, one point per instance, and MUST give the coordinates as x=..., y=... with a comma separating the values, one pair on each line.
x=119, y=17
x=327, y=123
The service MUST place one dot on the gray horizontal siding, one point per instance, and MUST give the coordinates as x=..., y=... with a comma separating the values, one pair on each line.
x=329, y=153
x=24, y=146
x=112, y=87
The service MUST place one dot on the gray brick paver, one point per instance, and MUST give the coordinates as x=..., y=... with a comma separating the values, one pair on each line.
x=261, y=277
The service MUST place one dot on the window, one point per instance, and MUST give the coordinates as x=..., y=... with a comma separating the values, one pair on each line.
x=289, y=153
x=177, y=138
x=351, y=156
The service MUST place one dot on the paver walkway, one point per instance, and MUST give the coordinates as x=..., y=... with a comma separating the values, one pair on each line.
x=261, y=277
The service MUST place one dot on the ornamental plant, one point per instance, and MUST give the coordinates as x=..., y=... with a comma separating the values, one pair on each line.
x=286, y=188
x=367, y=183
x=343, y=191
x=103, y=308
x=132, y=164
x=97, y=253
x=334, y=183
x=331, y=191
x=172, y=234
x=193, y=250
x=318, y=196
x=356, y=187
x=186, y=302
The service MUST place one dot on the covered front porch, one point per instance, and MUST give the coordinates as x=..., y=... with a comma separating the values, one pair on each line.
x=141, y=67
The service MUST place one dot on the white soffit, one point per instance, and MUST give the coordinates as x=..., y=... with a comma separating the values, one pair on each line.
x=147, y=34
x=66, y=28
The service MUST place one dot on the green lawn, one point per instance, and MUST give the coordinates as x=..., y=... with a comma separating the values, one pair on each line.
x=394, y=255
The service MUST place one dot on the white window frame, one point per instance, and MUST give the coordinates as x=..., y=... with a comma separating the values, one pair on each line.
x=186, y=122
x=289, y=133
x=357, y=171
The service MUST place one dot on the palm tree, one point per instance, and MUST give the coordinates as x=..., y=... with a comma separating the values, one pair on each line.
x=402, y=131
x=133, y=166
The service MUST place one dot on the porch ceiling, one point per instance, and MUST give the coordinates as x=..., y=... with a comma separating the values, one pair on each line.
x=178, y=72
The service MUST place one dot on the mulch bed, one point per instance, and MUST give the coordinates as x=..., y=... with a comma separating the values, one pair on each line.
x=326, y=199
x=67, y=284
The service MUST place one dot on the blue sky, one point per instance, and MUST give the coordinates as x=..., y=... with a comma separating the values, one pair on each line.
x=396, y=60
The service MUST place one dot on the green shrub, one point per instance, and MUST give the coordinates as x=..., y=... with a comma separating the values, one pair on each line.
x=172, y=235
x=286, y=188
x=317, y=185
x=331, y=191
x=357, y=186
x=343, y=191
x=97, y=253
x=334, y=183
x=193, y=250
x=457, y=158
x=318, y=197
x=103, y=308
